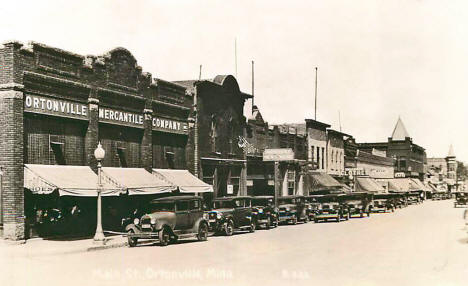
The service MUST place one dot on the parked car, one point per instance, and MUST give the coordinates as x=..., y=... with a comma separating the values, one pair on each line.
x=383, y=203
x=461, y=199
x=359, y=204
x=265, y=211
x=229, y=214
x=312, y=206
x=292, y=209
x=331, y=207
x=169, y=219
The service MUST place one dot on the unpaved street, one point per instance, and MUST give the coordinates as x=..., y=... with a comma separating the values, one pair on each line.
x=419, y=245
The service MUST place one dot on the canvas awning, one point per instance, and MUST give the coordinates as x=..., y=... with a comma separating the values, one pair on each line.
x=368, y=185
x=137, y=181
x=184, y=180
x=323, y=180
x=400, y=184
x=418, y=185
x=78, y=181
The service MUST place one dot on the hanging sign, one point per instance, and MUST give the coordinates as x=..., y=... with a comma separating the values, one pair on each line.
x=281, y=154
x=230, y=189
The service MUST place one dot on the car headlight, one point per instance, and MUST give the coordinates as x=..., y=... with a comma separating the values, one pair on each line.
x=260, y=211
x=288, y=209
x=219, y=215
x=136, y=221
x=153, y=220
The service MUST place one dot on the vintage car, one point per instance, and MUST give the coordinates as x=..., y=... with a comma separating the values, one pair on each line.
x=461, y=199
x=312, y=206
x=229, y=214
x=383, y=203
x=292, y=209
x=359, y=204
x=169, y=219
x=414, y=198
x=265, y=211
x=331, y=207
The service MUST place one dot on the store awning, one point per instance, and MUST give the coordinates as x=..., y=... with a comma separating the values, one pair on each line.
x=399, y=184
x=418, y=185
x=137, y=181
x=317, y=181
x=184, y=180
x=368, y=185
x=78, y=181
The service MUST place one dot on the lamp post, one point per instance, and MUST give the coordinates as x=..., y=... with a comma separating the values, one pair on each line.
x=99, y=154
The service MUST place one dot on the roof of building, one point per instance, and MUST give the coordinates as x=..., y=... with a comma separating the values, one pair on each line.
x=399, y=133
x=219, y=80
x=315, y=123
x=338, y=132
x=451, y=153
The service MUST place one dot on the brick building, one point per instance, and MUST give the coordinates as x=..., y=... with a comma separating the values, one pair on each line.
x=410, y=158
x=55, y=107
x=221, y=126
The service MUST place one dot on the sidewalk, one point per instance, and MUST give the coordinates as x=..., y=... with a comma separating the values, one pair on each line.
x=42, y=247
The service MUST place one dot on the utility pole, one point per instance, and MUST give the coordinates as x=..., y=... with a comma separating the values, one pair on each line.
x=316, y=93
x=235, y=55
x=339, y=119
x=253, y=80
x=195, y=126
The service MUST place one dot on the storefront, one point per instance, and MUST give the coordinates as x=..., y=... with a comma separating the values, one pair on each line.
x=55, y=106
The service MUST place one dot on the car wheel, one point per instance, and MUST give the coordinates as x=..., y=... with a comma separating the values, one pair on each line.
x=202, y=232
x=368, y=214
x=164, y=236
x=347, y=216
x=253, y=225
x=276, y=222
x=132, y=241
x=173, y=239
x=338, y=218
x=229, y=228
x=315, y=220
x=268, y=224
x=294, y=221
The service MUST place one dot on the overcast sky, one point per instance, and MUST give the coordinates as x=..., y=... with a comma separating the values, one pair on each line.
x=377, y=60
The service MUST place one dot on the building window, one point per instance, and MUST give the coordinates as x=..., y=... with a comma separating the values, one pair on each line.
x=122, y=158
x=323, y=155
x=332, y=155
x=57, y=148
x=318, y=158
x=291, y=181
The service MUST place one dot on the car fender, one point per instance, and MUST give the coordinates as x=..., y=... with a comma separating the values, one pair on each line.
x=132, y=227
x=198, y=222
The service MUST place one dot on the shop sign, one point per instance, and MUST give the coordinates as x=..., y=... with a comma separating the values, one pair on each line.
x=281, y=154
x=137, y=120
x=52, y=106
x=271, y=182
x=230, y=189
x=400, y=175
x=249, y=183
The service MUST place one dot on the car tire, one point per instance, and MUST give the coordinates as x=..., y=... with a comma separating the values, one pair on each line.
x=362, y=215
x=338, y=219
x=268, y=224
x=347, y=216
x=164, y=237
x=368, y=214
x=229, y=228
x=132, y=241
x=173, y=239
x=294, y=221
x=253, y=225
x=315, y=220
x=202, y=232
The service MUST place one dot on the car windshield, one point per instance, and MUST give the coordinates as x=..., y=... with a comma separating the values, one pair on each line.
x=262, y=202
x=224, y=204
x=161, y=206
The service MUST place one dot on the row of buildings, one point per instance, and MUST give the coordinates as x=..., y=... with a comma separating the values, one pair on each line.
x=56, y=106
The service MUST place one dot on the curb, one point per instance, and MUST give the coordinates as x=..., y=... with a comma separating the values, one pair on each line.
x=103, y=247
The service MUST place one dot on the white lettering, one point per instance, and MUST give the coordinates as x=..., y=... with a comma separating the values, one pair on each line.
x=36, y=102
x=62, y=106
x=28, y=101
x=111, y=115
x=49, y=104
x=42, y=103
x=56, y=105
x=140, y=117
x=101, y=113
x=106, y=114
x=84, y=110
x=72, y=111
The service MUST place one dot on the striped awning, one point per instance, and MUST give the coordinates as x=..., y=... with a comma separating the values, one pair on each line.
x=368, y=185
x=184, y=180
x=79, y=181
x=136, y=181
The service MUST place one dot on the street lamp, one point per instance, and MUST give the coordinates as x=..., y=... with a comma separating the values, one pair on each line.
x=99, y=154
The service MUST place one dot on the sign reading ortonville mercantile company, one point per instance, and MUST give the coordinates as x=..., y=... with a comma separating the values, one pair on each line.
x=52, y=106
x=58, y=107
